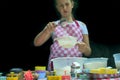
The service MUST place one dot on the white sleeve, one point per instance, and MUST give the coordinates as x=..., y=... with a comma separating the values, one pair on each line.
x=83, y=27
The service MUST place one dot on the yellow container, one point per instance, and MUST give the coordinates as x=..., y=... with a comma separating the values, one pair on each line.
x=111, y=71
x=104, y=71
x=12, y=78
x=54, y=78
x=8, y=78
x=43, y=68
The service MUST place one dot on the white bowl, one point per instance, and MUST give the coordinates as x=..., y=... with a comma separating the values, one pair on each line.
x=67, y=41
x=63, y=64
x=95, y=63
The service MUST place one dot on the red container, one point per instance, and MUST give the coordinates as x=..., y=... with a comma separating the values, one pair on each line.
x=66, y=77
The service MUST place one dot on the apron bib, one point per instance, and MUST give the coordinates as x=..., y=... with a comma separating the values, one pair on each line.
x=58, y=51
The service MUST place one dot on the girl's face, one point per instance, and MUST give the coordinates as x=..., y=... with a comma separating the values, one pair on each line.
x=64, y=7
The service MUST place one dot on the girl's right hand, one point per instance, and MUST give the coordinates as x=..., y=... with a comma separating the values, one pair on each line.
x=51, y=26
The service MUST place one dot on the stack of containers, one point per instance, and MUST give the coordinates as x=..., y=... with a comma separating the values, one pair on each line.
x=41, y=72
x=12, y=76
x=2, y=77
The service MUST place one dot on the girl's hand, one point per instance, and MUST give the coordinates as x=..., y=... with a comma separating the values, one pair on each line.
x=82, y=47
x=51, y=26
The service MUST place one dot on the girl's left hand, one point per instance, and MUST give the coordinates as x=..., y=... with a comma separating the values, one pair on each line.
x=82, y=47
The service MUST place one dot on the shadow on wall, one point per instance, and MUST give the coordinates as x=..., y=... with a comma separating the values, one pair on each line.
x=102, y=50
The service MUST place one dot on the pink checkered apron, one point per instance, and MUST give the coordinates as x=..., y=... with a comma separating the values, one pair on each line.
x=58, y=51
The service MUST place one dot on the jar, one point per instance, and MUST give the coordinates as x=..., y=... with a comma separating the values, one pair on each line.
x=75, y=69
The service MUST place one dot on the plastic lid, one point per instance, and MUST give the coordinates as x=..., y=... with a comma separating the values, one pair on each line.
x=16, y=70
x=40, y=68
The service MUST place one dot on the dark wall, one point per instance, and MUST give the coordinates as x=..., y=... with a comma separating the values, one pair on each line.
x=20, y=24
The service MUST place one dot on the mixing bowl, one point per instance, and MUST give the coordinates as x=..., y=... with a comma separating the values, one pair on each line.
x=95, y=63
x=67, y=41
x=63, y=64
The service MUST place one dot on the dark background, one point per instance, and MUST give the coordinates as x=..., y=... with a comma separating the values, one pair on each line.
x=25, y=19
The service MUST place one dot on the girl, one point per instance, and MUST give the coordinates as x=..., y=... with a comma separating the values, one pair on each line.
x=74, y=28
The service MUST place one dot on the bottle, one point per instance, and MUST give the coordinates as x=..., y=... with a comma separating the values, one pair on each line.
x=75, y=69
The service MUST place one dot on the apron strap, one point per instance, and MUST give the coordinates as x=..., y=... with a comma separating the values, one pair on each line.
x=77, y=23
